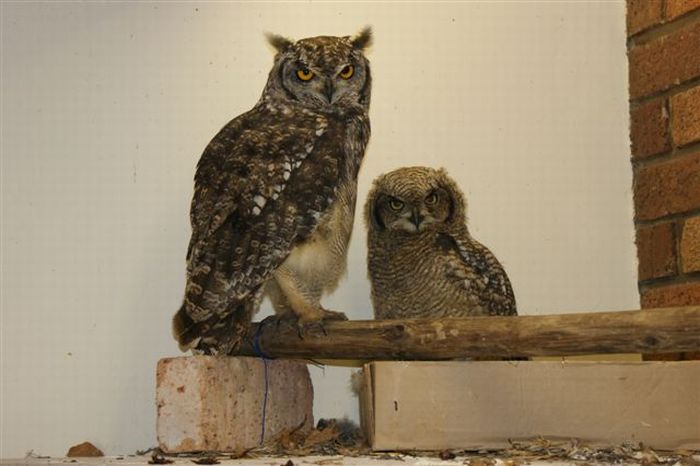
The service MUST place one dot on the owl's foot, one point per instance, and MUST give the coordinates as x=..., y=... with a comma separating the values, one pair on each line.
x=305, y=322
x=209, y=348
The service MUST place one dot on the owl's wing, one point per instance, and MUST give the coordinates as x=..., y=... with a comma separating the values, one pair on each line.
x=260, y=188
x=472, y=267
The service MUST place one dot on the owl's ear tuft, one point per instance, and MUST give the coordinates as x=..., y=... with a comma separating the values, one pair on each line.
x=363, y=39
x=280, y=43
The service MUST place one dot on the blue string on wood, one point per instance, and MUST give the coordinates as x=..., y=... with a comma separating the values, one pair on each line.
x=264, y=409
x=257, y=349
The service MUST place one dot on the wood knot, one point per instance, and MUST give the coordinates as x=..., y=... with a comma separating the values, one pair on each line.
x=651, y=341
x=394, y=332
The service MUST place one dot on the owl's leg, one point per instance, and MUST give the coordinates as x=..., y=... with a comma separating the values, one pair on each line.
x=303, y=300
x=283, y=311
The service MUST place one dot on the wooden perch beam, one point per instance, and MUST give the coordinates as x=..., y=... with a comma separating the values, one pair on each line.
x=647, y=331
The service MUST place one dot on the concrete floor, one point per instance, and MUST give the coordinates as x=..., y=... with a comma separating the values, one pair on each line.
x=377, y=460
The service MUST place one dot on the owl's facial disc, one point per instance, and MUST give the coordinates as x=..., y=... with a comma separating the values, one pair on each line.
x=406, y=223
x=417, y=217
x=421, y=213
x=329, y=90
x=322, y=87
x=325, y=73
x=409, y=218
x=413, y=220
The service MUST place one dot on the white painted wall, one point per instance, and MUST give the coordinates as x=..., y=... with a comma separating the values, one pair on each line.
x=106, y=108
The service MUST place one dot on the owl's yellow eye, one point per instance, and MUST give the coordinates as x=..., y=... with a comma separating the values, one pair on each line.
x=431, y=199
x=305, y=74
x=395, y=204
x=347, y=72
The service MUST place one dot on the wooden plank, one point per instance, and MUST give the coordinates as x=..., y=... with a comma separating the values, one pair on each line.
x=443, y=405
x=641, y=331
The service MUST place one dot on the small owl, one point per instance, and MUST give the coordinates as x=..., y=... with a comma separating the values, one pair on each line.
x=422, y=261
x=274, y=195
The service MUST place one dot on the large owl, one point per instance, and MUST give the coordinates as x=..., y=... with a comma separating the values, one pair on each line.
x=274, y=195
x=422, y=261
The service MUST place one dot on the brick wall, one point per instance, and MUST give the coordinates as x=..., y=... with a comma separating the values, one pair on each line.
x=664, y=84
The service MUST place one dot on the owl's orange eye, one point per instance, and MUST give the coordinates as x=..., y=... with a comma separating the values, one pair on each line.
x=347, y=72
x=305, y=74
x=395, y=204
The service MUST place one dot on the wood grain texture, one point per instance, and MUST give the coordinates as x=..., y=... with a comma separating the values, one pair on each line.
x=644, y=331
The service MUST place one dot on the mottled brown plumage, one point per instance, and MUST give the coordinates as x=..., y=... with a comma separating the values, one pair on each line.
x=275, y=194
x=422, y=261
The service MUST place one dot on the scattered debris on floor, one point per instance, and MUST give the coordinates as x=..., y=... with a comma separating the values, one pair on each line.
x=542, y=449
x=335, y=439
x=147, y=451
x=31, y=454
x=486, y=462
x=329, y=437
x=207, y=460
x=84, y=450
x=159, y=459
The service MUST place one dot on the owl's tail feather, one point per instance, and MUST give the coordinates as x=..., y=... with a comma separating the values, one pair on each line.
x=217, y=334
x=215, y=316
x=185, y=330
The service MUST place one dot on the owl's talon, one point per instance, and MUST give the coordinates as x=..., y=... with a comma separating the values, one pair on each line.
x=279, y=319
x=303, y=328
x=324, y=315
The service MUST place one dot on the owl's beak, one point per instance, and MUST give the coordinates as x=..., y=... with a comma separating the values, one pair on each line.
x=416, y=218
x=329, y=89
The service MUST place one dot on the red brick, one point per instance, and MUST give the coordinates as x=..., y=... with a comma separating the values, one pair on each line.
x=685, y=116
x=675, y=8
x=667, y=188
x=210, y=403
x=656, y=248
x=690, y=245
x=641, y=14
x=665, y=61
x=685, y=294
x=649, y=129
